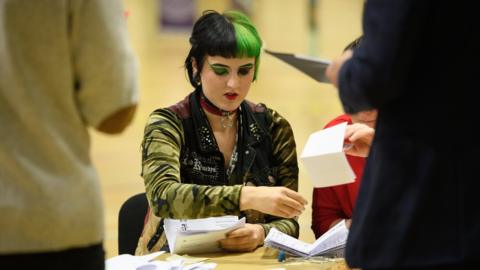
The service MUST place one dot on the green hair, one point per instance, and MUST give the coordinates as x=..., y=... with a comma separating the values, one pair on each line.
x=249, y=43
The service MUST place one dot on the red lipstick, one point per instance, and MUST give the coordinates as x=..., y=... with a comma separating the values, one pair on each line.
x=231, y=96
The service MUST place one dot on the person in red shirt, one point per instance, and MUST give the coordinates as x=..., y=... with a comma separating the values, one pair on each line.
x=332, y=204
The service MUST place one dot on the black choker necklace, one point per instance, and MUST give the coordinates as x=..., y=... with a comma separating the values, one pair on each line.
x=226, y=121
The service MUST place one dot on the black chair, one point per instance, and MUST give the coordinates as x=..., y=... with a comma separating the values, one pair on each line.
x=130, y=223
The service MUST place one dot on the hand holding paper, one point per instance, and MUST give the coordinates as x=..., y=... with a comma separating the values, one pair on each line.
x=245, y=239
x=361, y=137
x=334, y=68
x=324, y=159
x=193, y=236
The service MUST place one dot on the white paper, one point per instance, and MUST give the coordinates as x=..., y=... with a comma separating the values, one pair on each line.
x=147, y=262
x=162, y=265
x=330, y=242
x=333, y=239
x=199, y=235
x=129, y=262
x=324, y=159
x=280, y=240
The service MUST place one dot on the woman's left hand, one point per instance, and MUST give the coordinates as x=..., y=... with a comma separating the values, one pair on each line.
x=247, y=238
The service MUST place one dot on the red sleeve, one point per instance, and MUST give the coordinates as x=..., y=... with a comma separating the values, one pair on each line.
x=340, y=119
x=325, y=205
x=325, y=209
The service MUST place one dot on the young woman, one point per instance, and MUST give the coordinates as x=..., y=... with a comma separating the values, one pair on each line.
x=214, y=153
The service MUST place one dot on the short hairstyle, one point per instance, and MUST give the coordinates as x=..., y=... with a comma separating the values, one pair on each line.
x=354, y=44
x=229, y=35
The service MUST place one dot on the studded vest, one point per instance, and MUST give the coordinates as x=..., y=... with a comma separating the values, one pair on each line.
x=266, y=156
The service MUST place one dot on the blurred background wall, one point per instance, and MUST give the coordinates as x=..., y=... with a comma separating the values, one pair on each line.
x=319, y=28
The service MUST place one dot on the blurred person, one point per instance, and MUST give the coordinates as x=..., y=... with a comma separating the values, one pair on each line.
x=215, y=153
x=65, y=66
x=417, y=206
x=330, y=205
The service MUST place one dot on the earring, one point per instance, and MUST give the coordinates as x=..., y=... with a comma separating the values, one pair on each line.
x=197, y=79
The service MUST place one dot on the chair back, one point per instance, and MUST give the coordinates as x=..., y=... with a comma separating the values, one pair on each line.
x=130, y=223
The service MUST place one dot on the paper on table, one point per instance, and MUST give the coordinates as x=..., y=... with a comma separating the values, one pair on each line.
x=324, y=159
x=311, y=66
x=186, y=258
x=330, y=242
x=162, y=265
x=199, y=235
x=129, y=262
x=176, y=265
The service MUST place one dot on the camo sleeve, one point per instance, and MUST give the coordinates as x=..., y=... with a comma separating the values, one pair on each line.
x=168, y=197
x=285, y=169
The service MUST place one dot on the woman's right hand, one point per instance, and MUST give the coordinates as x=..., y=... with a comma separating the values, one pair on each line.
x=276, y=201
x=361, y=137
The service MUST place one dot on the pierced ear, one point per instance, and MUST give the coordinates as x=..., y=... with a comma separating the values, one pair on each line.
x=196, y=74
x=197, y=78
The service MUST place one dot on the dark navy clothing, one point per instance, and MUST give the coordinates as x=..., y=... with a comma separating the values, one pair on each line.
x=417, y=205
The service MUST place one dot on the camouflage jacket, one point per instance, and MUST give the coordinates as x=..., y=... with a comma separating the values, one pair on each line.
x=184, y=172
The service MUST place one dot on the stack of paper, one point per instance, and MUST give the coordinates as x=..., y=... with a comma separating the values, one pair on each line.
x=324, y=159
x=191, y=236
x=331, y=243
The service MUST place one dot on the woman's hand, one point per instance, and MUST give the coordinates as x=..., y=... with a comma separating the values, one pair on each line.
x=277, y=201
x=247, y=238
x=360, y=137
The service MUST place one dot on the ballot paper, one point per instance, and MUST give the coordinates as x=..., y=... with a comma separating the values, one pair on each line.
x=176, y=265
x=332, y=243
x=193, y=236
x=148, y=262
x=324, y=159
x=130, y=262
x=311, y=66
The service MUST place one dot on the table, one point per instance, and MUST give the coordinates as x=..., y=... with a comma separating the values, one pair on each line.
x=266, y=258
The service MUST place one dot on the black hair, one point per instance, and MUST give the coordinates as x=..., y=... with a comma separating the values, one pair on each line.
x=229, y=35
x=354, y=44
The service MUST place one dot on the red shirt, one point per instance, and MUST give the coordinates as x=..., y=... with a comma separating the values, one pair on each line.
x=337, y=202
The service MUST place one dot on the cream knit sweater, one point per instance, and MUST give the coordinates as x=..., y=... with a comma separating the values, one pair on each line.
x=65, y=65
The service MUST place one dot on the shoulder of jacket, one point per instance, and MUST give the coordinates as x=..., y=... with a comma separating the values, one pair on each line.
x=256, y=107
x=182, y=108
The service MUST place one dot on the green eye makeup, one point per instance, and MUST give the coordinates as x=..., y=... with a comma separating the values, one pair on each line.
x=222, y=70
x=244, y=70
x=218, y=69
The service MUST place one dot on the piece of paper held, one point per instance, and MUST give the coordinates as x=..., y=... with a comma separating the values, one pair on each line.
x=196, y=236
x=311, y=66
x=324, y=159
